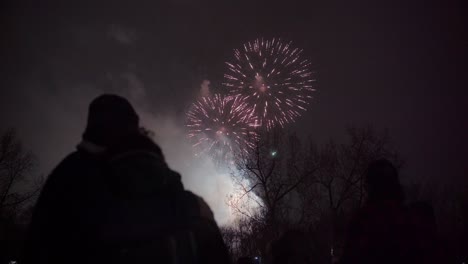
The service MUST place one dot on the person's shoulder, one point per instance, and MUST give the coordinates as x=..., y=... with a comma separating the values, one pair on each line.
x=63, y=176
x=205, y=210
x=73, y=163
x=363, y=217
x=202, y=209
x=136, y=143
x=74, y=158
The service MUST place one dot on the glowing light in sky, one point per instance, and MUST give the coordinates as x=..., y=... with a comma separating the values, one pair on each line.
x=273, y=79
x=219, y=126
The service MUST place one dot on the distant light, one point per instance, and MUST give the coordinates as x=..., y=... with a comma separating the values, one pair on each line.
x=274, y=153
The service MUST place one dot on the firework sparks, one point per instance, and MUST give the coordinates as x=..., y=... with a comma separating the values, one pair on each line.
x=273, y=80
x=219, y=126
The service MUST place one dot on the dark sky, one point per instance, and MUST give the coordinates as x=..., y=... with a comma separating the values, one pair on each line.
x=399, y=65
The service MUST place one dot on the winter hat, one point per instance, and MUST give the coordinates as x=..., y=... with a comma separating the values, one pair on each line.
x=110, y=118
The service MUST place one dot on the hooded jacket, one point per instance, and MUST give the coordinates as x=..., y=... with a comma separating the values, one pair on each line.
x=121, y=205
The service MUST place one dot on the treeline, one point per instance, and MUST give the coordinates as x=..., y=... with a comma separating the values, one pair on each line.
x=18, y=190
x=290, y=185
x=285, y=184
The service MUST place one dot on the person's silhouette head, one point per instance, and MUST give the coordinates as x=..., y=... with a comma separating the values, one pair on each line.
x=382, y=181
x=110, y=118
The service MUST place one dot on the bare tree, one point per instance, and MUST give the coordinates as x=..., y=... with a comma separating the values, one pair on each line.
x=342, y=166
x=243, y=238
x=267, y=177
x=337, y=187
x=294, y=183
x=15, y=164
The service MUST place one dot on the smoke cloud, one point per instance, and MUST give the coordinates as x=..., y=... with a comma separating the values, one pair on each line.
x=52, y=124
x=198, y=174
x=48, y=107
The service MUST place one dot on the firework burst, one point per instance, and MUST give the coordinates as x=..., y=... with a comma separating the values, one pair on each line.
x=273, y=80
x=219, y=126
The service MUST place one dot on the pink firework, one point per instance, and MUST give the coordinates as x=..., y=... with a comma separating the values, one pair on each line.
x=219, y=126
x=273, y=79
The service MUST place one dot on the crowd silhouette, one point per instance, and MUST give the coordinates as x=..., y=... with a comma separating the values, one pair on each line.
x=115, y=200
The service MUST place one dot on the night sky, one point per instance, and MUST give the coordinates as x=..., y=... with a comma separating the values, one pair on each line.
x=392, y=64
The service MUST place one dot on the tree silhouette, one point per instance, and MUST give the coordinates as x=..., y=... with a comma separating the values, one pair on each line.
x=337, y=187
x=15, y=164
x=295, y=183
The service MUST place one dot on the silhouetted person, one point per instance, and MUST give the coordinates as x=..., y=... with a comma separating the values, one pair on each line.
x=380, y=233
x=115, y=200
